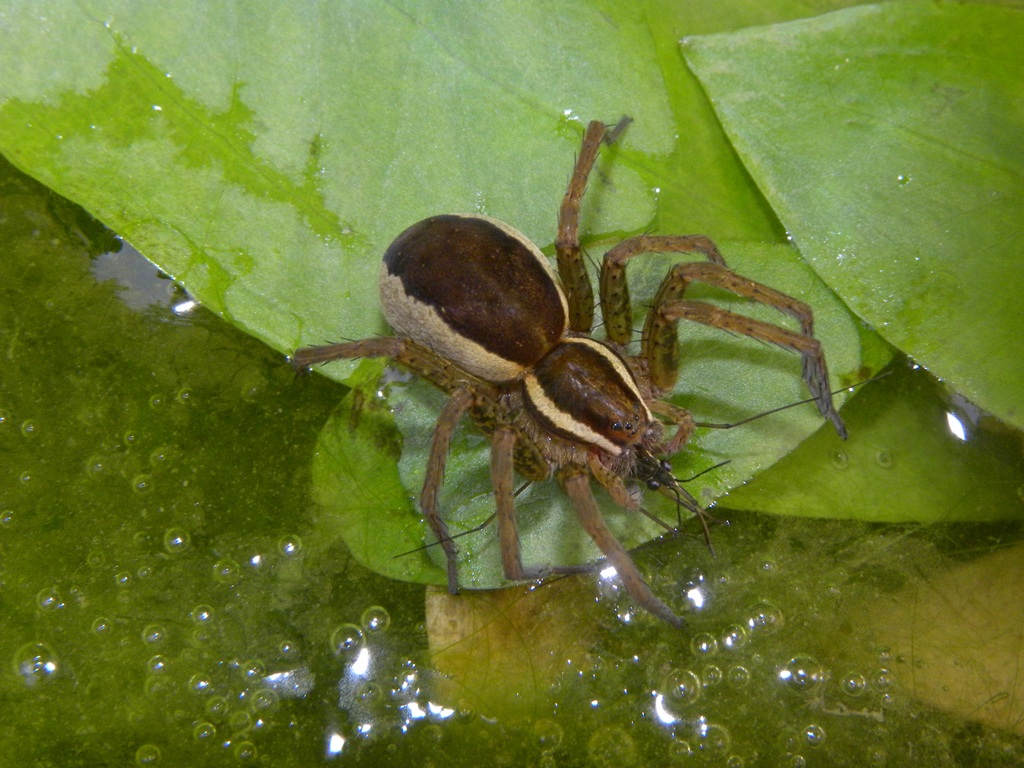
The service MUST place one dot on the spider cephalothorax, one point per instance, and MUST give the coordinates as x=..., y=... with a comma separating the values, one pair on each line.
x=481, y=314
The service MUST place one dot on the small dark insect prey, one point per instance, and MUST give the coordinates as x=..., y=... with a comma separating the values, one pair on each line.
x=481, y=315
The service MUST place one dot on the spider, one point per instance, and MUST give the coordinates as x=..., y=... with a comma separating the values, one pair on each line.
x=480, y=313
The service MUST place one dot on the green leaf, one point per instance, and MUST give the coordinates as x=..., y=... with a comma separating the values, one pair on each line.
x=887, y=138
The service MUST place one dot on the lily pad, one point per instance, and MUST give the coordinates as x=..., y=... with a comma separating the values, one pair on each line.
x=887, y=139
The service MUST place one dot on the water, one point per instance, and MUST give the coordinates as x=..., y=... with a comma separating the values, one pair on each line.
x=169, y=583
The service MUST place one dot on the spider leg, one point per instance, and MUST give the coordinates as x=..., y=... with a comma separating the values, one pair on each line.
x=440, y=443
x=575, y=480
x=503, y=445
x=815, y=373
x=502, y=462
x=611, y=482
x=678, y=416
x=572, y=270
x=420, y=360
x=615, y=303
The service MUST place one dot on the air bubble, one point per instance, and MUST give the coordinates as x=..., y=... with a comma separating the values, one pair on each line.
x=176, y=540
x=703, y=643
x=142, y=483
x=738, y=676
x=200, y=684
x=157, y=665
x=147, y=754
x=95, y=559
x=158, y=687
x=246, y=751
x=547, y=734
x=714, y=740
x=36, y=663
x=734, y=637
x=156, y=402
x=765, y=618
x=185, y=396
x=253, y=670
x=802, y=674
x=853, y=684
x=682, y=686
x=839, y=459
x=102, y=626
x=225, y=571
x=122, y=578
x=264, y=700
x=883, y=459
x=29, y=429
x=712, y=675
x=240, y=721
x=217, y=707
x=204, y=733
x=6, y=518
x=201, y=614
x=347, y=639
x=881, y=679
x=375, y=619
x=290, y=546
x=153, y=634
x=49, y=599
x=814, y=735
x=288, y=649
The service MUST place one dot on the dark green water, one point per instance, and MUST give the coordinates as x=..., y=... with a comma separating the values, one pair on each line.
x=167, y=596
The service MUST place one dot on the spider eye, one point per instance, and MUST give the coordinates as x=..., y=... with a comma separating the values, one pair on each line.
x=653, y=484
x=617, y=426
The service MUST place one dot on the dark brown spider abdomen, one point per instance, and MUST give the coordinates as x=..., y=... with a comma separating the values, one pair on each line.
x=476, y=292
